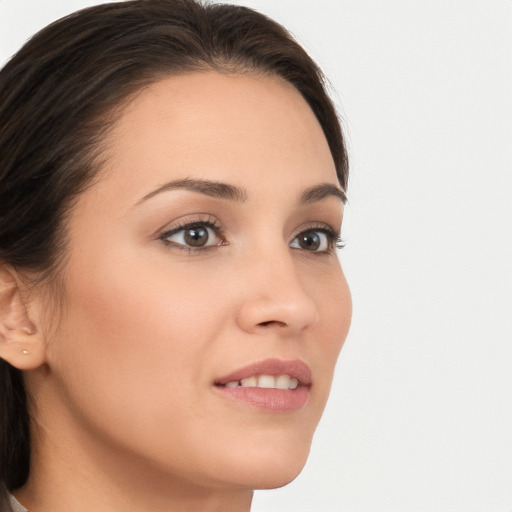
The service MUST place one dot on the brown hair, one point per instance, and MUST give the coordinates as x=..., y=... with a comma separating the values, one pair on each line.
x=58, y=97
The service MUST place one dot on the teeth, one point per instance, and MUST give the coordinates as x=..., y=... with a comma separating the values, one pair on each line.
x=293, y=383
x=250, y=382
x=266, y=382
x=283, y=382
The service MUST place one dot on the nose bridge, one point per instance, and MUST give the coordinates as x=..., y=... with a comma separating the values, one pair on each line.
x=275, y=296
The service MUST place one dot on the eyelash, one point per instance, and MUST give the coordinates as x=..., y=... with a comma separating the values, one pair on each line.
x=333, y=238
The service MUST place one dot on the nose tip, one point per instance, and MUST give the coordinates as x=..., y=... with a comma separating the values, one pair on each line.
x=282, y=305
x=265, y=314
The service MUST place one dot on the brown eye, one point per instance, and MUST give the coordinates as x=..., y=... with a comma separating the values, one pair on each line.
x=194, y=236
x=310, y=241
x=313, y=240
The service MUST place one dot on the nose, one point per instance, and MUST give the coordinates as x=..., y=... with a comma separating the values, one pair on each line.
x=275, y=297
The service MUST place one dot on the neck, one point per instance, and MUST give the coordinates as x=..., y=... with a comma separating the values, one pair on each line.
x=54, y=491
x=86, y=476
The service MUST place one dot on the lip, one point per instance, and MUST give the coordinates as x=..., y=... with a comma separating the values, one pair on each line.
x=269, y=399
x=295, y=369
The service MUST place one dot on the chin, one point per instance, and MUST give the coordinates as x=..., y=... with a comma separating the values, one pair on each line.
x=275, y=479
x=271, y=468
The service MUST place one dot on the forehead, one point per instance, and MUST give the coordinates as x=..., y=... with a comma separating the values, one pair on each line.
x=249, y=130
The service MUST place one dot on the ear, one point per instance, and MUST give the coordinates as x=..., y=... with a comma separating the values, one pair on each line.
x=21, y=343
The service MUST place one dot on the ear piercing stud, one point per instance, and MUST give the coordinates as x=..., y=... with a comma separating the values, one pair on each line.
x=25, y=352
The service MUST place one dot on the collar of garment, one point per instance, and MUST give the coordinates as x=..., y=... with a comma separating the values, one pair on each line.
x=16, y=505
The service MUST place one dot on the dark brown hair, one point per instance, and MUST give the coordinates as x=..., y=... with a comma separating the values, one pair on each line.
x=60, y=93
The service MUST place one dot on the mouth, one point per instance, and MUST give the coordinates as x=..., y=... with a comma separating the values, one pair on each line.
x=273, y=385
x=265, y=382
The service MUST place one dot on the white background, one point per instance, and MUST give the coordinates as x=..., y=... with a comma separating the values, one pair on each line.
x=420, y=418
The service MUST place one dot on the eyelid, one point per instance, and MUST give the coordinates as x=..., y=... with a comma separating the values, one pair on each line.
x=188, y=220
x=318, y=226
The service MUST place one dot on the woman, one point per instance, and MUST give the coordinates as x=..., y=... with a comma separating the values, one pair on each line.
x=171, y=303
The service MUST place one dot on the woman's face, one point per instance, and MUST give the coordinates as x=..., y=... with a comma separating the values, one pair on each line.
x=203, y=255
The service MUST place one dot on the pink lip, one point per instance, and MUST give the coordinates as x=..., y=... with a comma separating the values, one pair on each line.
x=270, y=400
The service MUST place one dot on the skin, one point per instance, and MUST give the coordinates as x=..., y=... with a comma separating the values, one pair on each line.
x=127, y=417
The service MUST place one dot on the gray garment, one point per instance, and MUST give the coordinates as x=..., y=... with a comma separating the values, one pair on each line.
x=16, y=507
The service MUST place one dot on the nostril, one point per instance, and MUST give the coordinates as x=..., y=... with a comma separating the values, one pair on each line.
x=273, y=322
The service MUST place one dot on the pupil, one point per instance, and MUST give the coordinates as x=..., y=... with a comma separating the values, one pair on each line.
x=310, y=241
x=196, y=237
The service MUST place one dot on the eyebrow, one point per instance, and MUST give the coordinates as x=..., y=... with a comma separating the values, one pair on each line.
x=206, y=187
x=320, y=192
x=233, y=193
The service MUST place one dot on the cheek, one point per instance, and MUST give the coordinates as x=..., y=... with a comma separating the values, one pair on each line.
x=338, y=314
x=136, y=297
x=133, y=332
x=333, y=298
x=132, y=354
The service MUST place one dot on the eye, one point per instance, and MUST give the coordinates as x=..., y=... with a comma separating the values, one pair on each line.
x=316, y=240
x=192, y=236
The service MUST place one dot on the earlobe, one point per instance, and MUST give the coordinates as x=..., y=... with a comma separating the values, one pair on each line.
x=21, y=343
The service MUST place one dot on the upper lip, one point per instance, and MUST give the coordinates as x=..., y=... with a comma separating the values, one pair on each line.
x=275, y=367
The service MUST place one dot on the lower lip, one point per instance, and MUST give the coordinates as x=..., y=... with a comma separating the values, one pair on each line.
x=269, y=399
